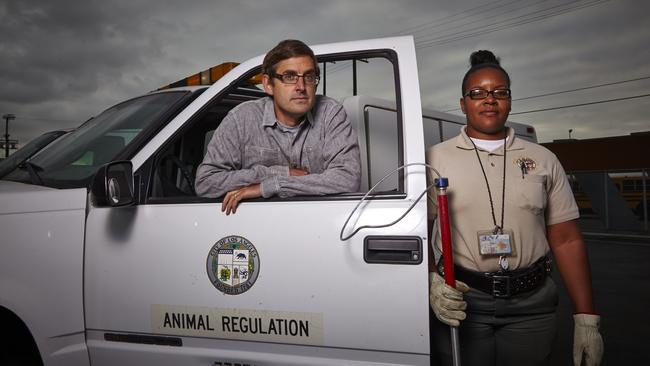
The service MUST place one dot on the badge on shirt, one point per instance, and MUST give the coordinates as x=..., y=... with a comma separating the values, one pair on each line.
x=525, y=164
x=500, y=243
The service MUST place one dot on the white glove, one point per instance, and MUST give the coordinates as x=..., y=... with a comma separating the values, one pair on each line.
x=447, y=302
x=587, y=340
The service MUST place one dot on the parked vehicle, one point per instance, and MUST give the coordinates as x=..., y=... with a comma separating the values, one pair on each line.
x=27, y=151
x=109, y=257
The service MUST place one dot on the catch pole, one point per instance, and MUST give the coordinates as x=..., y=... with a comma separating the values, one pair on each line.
x=447, y=255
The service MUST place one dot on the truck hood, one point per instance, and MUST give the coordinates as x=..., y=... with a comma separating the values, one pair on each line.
x=19, y=197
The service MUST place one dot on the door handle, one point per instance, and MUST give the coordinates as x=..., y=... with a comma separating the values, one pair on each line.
x=392, y=249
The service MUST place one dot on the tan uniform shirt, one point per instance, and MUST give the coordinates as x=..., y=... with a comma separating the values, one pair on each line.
x=534, y=199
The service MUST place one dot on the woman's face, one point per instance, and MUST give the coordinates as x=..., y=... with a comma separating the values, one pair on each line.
x=486, y=118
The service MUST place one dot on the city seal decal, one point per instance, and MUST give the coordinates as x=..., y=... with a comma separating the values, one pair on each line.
x=233, y=265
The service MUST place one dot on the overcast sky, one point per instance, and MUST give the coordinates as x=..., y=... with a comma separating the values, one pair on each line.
x=64, y=61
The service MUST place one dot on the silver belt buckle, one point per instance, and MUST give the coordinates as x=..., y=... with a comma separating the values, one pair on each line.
x=498, y=280
x=548, y=265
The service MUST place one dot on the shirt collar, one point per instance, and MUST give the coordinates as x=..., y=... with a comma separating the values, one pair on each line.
x=513, y=143
x=269, y=113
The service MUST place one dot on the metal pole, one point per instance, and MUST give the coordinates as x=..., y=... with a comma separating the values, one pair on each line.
x=354, y=77
x=447, y=256
x=644, y=201
x=324, y=78
x=605, y=191
x=7, y=117
x=6, y=137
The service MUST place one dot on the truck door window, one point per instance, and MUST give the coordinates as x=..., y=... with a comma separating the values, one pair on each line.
x=174, y=165
x=371, y=76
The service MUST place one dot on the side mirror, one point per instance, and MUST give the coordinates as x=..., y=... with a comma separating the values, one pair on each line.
x=113, y=185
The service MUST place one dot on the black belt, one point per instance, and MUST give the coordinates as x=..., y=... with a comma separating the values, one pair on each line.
x=504, y=284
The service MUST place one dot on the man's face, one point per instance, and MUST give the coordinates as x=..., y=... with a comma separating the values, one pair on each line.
x=292, y=101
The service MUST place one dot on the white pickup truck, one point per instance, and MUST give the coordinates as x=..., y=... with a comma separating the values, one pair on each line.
x=108, y=257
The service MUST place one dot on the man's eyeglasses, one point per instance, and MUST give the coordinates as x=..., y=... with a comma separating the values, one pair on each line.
x=482, y=93
x=292, y=78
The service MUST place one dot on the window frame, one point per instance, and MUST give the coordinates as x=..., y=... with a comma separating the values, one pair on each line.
x=146, y=173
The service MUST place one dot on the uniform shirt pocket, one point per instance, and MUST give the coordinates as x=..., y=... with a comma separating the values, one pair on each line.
x=532, y=193
x=257, y=155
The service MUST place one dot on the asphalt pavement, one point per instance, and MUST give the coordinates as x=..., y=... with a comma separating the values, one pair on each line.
x=620, y=275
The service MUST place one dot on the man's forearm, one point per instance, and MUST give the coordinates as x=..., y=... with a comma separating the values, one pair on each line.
x=213, y=182
x=331, y=181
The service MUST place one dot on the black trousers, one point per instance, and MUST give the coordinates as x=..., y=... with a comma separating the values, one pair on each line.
x=518, y=331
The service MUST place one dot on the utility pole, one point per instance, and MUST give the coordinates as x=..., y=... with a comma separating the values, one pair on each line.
x=7, y=118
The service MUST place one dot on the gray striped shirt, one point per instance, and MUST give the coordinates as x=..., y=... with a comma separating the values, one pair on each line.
x=249, y=147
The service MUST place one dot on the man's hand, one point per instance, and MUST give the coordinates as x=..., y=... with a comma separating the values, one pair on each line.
x=232, y=198
x=447, y=302
x=296, y=172
x=587, y=340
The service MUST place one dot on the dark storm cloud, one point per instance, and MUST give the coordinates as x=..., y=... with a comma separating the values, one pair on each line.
x=63, y=49
x=64, y=61
x=597, y=44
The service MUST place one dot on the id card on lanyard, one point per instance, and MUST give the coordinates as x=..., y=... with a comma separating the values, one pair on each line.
x=496, y=242
x=500, y=243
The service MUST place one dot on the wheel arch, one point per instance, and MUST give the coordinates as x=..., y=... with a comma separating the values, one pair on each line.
x=16, y=340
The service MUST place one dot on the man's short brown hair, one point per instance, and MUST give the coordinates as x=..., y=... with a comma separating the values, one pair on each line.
x=287, y=49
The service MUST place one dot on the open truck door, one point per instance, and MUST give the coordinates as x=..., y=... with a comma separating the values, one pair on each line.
x=170, y=279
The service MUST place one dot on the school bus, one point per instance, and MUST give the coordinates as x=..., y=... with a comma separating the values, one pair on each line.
x=630, y=187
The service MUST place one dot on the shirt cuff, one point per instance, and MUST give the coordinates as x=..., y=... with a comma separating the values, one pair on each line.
x=270, y=187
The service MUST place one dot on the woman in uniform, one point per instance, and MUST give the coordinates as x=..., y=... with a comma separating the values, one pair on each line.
x=511, y=206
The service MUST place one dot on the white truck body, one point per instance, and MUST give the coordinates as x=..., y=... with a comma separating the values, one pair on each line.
x=135, y=285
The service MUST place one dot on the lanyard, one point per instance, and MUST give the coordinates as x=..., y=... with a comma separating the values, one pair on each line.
x=497, y=228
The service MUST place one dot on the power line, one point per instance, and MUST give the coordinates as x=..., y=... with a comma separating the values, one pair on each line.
x=450, y=19
x=507, y=23
x=581, y=104
x=487, y=16
x=583, y=88
x=443, y=21
x=477, y=31
x=492, y=27
x=572, y=90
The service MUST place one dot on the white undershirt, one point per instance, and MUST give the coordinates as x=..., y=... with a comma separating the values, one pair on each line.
x=488, y=145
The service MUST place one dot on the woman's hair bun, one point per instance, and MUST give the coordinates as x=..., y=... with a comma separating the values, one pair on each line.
x=483, y=57
x=480, y=60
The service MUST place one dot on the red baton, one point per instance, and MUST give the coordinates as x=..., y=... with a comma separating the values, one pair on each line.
x=447, y=257
x=445, y=231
